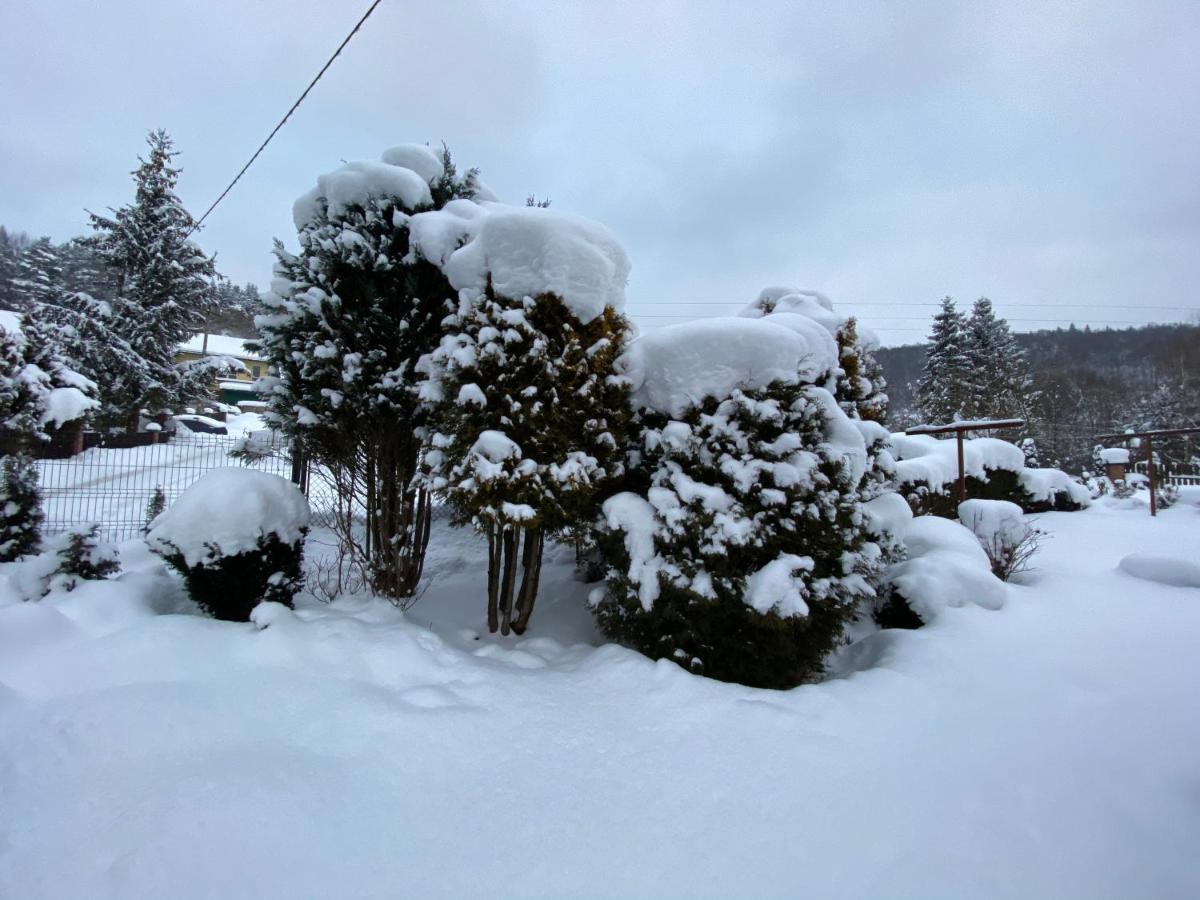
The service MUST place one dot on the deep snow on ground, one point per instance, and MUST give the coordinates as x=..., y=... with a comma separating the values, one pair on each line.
x=351, y=750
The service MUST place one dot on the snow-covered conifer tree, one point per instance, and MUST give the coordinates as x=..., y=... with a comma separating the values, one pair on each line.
x=160, y=284
x=39, y=274
x=347, y=320
x=20, y=507
x=529, y=433
x=944, y=389
x=744, y=552
x=861, y=388
x=998, y=375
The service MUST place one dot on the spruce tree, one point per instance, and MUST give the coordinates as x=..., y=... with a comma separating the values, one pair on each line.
x=998, y=375
x=861, y=388
x=529, y=433
x=161, y=284
x=39, y=274
x=944, y=389
x=20, y=507
x=349, y=317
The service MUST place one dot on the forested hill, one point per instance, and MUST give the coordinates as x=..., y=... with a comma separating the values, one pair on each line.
x=1137, y=358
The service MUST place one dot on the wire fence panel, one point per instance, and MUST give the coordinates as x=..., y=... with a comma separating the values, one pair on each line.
x=113, y=486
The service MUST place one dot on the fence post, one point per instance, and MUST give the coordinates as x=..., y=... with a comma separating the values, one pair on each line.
x=1150, y=472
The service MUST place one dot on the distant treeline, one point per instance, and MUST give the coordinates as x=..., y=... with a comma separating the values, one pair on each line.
x=1086, y=382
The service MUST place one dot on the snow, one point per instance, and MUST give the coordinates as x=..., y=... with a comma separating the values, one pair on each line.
x=1114, y=455
x=230, y=508
x=994, y=521
x=417, y=157
x=1036, y=751
x=1162, y=569
x=220, y=345
x=356, y=184
x=66, y=404
x=10, y=321
x=635, y=518
x=1046, y=484
x=774, y=589
x=677, y=366
x=923, y=458
x=946, y=568
x=526, y=251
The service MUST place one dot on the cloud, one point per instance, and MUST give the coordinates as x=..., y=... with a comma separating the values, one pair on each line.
x=1037, y=153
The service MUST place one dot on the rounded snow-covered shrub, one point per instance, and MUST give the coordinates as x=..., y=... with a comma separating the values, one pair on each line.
x=945, y=566
x=237, y=538
x=740, y=550
x=1008, y=540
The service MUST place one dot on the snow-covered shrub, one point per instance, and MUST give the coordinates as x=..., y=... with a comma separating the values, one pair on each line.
x=20, y=507
x=38, y=388
x=1167, y=496
x=927, y=474
x=347, y=320
x=1009, y=541
x=529, y=431
x=69, y=558
x=237, y=538
x=740, y=550
x=944, y=567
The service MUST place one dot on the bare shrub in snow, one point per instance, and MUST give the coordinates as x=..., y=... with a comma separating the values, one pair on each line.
x=1009, y=541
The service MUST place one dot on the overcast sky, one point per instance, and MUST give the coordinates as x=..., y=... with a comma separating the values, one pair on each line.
x=1045, y=155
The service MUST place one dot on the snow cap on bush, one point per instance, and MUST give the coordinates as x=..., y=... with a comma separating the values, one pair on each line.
x=525, y=252
x=679, y=366
x=230, y=509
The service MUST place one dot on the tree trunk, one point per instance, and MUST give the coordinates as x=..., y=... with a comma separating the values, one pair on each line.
x=493, y=613
x=512, y=537
x=534, y=545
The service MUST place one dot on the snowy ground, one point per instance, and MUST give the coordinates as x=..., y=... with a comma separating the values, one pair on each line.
x=1046, y=749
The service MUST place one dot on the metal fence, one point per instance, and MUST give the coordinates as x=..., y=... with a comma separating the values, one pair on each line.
x=113, y=486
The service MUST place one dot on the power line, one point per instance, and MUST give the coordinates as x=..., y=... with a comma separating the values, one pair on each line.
x=875, y=319
x=287, y=115
x=856, y=303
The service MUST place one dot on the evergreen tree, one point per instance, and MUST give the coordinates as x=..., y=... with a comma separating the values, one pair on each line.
x=12, y=246
x=999, y=377
x=860, y=389
x=161, y=285
x=349, y=318
x=944, y=389
x=20, y=507
x=529, y=433
x=746, y=553
x=39, y=274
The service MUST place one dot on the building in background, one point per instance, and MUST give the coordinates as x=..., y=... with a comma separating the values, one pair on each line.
x=238, y=389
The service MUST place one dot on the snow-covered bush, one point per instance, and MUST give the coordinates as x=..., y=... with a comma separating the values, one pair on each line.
x=69, y=558
x=944, y=567
x=1009, y=541
x=740, y=550
x=237, y=538
x=20, y=507
x=530, y=420
x=347, y=320
x=926, y=471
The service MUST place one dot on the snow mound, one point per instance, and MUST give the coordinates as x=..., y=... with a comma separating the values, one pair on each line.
x=887, y=514
x=526, y=251
x=1161, y=569
x=417, y=157
x=994, y=522
x=946, y=568
x=822, y=356
x=355, y=184
x=230, y=508
x=677, y=366
x=1114, y=455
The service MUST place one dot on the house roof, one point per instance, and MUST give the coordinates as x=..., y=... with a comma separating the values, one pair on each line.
x=220, y=345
